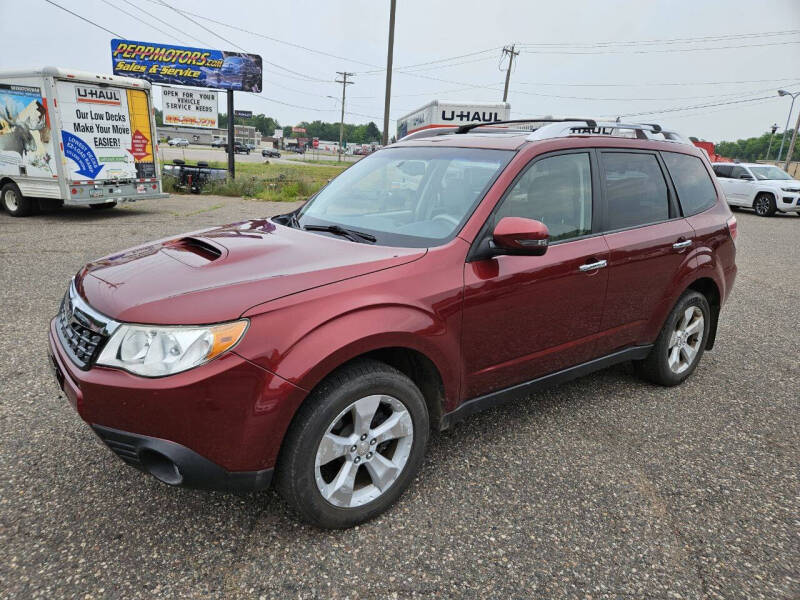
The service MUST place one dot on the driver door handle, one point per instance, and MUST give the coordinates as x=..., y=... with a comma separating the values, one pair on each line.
x=681, y=245
x=592, y=266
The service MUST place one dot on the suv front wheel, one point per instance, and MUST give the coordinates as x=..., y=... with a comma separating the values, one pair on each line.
x=354, y=445
x=680, y=344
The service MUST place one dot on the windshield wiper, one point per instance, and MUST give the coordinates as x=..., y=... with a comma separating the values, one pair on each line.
x=351, y=234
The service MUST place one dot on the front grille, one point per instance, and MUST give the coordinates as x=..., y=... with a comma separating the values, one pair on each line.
x=81, y=335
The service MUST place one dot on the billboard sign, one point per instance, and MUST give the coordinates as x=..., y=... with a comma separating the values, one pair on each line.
x=278, y=134
x=190, y=108
x=183, y=65
x=298, y=129
x=244, y=114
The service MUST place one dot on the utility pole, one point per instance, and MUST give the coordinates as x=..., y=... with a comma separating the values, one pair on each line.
x=511, y=54
x=791, y=144
x=344, y=83
x=388, y=75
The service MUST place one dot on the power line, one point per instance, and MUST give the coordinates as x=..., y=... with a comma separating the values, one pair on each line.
x=439, y=60
x=716, y=38
x=661, y=51
x=160, y=20
x=227, y=41
x=83, y=18
x=682, y=83
x=710, y=105
x=114, y=6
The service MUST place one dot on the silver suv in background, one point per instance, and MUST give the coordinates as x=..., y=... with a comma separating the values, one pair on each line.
x=764, y=188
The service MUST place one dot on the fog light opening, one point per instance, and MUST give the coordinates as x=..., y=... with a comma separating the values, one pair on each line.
x=160, y=467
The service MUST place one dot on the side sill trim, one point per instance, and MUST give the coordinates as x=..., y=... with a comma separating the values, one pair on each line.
x=481, y=403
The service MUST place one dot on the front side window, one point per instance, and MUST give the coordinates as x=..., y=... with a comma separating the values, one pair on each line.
x=556, y=191
x=695, y=190
x=740, y=173
x=769, y=172
x=636, y=193
x=414, y=197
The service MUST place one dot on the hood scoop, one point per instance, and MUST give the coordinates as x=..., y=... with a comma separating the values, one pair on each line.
x=192, y=251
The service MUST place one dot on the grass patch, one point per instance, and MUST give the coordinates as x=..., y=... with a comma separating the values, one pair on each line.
x=270, y=182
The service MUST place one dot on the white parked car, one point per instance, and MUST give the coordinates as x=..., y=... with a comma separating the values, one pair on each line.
x=764, y=188
x=178, y=142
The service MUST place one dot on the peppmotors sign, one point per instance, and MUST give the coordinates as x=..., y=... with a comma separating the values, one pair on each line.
x=189, y=108
x=183, y=65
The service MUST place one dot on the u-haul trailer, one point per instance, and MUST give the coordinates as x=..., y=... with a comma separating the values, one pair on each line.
x=73, y=138
x=443, y=113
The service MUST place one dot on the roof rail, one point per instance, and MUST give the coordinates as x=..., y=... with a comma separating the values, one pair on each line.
x=470, y=126
x=644, y=131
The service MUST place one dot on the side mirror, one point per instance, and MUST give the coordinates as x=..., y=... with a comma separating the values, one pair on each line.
x=515, y=235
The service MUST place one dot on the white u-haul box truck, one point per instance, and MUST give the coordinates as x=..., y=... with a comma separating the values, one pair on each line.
x=444, y=113
x=74, y=138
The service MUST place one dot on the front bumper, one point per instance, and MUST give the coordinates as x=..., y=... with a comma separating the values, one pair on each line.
x=174, y=464
x=788, y=202
x=221, y=424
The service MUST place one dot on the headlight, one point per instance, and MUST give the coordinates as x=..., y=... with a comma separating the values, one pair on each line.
x=155, y=351
x=789, y=189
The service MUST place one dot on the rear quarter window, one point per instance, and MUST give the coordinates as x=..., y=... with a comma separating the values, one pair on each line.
x=696, y=191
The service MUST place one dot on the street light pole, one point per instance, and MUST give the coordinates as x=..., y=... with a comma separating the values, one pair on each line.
x=788, y=118
x=774, y=128
x=791, y=144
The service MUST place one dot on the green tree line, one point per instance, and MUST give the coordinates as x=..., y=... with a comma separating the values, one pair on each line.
x=755, y=148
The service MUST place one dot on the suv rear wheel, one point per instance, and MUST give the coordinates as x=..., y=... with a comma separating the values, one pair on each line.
x=354, y=445
x=680, y=344
x=764, y=205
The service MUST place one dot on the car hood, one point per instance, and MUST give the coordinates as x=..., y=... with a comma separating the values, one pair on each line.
x=790, y=183
x=217, y=274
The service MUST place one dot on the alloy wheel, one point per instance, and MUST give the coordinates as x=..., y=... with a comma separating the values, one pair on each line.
x=685, y=341
x=762, y=206
x=363, y=451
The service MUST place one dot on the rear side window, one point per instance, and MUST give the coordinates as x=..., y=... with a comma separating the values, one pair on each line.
x=636, y=193
x=696, y=193
x=723, y=171
x=556, y=191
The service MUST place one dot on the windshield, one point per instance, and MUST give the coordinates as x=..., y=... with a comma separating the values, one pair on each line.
x=769, y=172
x=413, y=197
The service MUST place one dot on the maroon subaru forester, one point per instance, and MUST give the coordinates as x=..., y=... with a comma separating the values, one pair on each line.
x=438, y=277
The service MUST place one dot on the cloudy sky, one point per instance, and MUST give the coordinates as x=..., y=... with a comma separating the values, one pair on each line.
x=706, y=68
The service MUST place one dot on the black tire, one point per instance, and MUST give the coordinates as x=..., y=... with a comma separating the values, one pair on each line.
x=655, y=368
x=295, y=476
x=764, y=205
x=14, y=202
x=105, y=206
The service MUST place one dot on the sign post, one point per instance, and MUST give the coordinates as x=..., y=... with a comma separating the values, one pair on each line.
x=231, y=132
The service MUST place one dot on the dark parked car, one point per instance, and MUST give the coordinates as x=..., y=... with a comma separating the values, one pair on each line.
x=239, y=148
x=433, y=279
x=270, y=152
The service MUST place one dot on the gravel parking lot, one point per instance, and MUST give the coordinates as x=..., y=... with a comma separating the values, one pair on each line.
x=605, y=487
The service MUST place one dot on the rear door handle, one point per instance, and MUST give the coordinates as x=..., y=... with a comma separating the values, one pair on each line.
x=592, y=266
x=681, y=245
